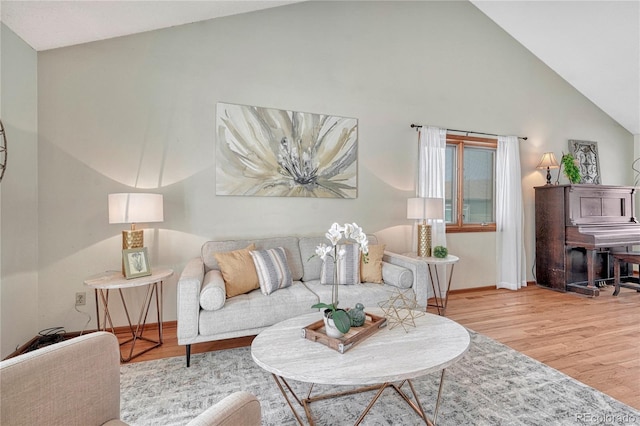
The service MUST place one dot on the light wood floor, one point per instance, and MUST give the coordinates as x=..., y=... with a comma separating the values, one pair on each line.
x=594, y=340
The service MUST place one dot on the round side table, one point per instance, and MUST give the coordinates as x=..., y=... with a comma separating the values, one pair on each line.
x=432, y=265
x=105, y=282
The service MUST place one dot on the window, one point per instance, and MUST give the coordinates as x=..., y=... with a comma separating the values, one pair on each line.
x=470, y=189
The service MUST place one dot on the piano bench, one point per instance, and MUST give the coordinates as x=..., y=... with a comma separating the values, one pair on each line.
x=630, y=282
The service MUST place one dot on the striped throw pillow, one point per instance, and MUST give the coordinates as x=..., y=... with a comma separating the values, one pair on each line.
x=272, y=268
x=348, y=266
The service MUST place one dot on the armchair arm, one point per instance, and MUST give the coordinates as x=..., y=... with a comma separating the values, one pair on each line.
x=74, y=382
x=239, y=408
x=188, y=299
x=418, y=268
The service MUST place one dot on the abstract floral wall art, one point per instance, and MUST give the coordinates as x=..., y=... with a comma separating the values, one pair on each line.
x=278, y=153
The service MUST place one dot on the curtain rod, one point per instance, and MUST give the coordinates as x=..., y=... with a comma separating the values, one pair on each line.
x=417, y=126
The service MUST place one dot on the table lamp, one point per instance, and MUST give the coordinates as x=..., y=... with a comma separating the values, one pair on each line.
x=425, y=208
x=135, y=208
x=548, y=161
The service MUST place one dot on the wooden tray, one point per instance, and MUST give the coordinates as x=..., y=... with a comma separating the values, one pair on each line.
x=316, y=332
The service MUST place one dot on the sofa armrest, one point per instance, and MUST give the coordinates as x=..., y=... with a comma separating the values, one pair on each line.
x=189, y=286
x=239, y=408
x=418, y=268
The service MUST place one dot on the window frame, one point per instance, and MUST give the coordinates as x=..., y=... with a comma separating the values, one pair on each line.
x=461, y=141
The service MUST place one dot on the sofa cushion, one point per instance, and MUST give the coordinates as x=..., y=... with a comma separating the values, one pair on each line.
x=272, y=268
x=290, y=245
x=213, y=294
x=211, y=247
x=348, y=266
x=369, y=294
x=255, y=310
x=238, y=270
x=311, y=264
x=371, y=271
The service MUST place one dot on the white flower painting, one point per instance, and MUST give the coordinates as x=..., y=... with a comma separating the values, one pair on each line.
x=279, y=153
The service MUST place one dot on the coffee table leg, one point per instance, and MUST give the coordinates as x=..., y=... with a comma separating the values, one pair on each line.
x=417, y=405
x=373, y=401
x=278, y=380
x=435, y=411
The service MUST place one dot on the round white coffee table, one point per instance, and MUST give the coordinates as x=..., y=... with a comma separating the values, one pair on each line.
x=434, y=344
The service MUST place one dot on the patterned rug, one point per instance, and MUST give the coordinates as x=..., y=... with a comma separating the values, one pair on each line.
x=491, y=385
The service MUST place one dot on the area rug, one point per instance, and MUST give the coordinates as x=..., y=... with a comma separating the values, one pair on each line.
x=491, y=385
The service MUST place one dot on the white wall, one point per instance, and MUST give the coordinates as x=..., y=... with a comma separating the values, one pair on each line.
x=139, y=111
x=19, y=194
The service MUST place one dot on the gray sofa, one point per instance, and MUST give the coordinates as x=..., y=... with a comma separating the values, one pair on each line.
x=248, y=314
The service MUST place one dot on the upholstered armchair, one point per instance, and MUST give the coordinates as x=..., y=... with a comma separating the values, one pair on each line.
x=77, y=382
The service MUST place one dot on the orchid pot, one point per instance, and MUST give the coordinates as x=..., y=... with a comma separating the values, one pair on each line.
x=334, y=322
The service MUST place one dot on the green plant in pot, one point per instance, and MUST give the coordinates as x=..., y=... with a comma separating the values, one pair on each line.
x=440, y=252
x=339, y=234
x=571, y=170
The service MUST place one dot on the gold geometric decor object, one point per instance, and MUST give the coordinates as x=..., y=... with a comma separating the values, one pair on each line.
x=400, y=310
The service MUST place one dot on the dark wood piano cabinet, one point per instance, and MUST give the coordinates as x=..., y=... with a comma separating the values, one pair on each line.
x=577, y=229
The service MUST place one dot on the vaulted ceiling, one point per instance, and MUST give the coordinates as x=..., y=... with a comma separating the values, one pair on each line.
x=593, y=45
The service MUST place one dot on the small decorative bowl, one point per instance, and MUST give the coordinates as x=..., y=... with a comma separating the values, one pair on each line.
x=440, y=252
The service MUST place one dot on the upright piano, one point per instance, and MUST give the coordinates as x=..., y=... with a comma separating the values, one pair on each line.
x=577, y=229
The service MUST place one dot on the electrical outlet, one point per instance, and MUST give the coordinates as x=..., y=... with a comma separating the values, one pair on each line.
x=81, y=298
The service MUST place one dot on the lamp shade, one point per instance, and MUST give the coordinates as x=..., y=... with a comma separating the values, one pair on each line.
x=425, y=208
x=548, y=160
x=135, y=208
x=415, y=208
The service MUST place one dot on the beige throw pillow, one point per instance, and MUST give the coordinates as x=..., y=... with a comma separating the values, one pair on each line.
x=371, y=272
x=238, y=271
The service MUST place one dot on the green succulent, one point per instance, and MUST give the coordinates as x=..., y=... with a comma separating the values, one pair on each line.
x=571, y=171
x=440, y=252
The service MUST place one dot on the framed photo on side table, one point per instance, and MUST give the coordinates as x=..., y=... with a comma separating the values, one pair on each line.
x=136, y=262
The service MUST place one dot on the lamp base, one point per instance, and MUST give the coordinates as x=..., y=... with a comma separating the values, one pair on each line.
x=424, y=240
x=132, y=239
x=548, y=176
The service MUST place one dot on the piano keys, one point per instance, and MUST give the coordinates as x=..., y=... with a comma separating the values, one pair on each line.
x=577, y=229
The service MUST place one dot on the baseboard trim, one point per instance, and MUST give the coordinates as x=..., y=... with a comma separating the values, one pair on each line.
x=483, y=288
x=150, y=326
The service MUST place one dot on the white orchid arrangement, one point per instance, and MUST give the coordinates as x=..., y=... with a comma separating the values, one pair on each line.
x=350, y=231
x=336, y=234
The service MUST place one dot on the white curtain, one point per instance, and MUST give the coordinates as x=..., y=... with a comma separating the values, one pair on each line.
x=510, y=260
x=431, y=175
